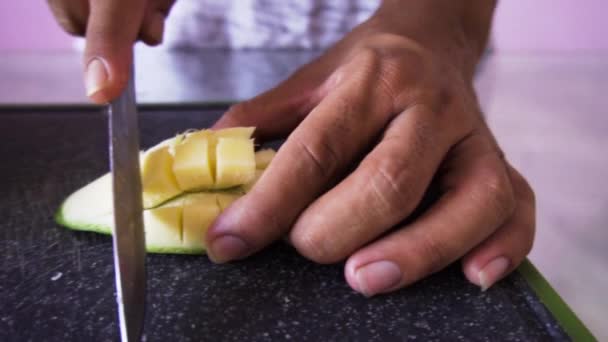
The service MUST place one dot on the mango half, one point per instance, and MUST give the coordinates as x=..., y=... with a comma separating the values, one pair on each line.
x=187, y=181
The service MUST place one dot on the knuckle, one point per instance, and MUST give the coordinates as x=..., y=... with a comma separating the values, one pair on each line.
x=319, y=152
x=527, y=191
x=344, y=107
x=71, y=27
x=71, y=19
x=387, y=181
x=312, y=246
x=239, y=108
x=164, y=6
x=385, y=67
x=528, y=243
x=238, y=113
x=522, y=187
x=433, y=253
x=499, y=194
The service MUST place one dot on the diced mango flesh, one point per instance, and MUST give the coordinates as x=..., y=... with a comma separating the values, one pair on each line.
x=163, y=226
x=235, y=163
x=157, y=178
x=198, y=216
x=235, y=132
x=192, y=164
x=197, y=161
x=263, y=158
x=224, y=200
x=182, y=223
x=184, y=190
x=258, y=173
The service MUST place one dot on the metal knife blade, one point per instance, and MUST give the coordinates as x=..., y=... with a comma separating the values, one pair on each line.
x=128, y=237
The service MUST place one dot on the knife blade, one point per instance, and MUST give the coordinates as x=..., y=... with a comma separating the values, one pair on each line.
x=128, y=236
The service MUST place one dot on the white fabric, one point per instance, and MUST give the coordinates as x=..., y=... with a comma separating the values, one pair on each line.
x=263, y=23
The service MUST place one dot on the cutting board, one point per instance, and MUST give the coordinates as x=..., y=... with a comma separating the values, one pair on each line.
x=58, y=285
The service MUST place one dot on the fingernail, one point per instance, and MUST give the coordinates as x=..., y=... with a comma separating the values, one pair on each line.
x=492, y=272
x=377, y=277
x=226, y=248
x=96, y=76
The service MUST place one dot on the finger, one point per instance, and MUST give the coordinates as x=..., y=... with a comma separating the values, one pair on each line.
x=478, y=198
x=153, y=26
x=319, y=150
x=71, y=15
x=381, y=192
x=504, y=250
x=112, y=28
x=276, y=112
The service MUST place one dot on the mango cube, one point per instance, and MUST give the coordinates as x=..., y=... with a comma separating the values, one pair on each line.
x=224, y=200
x=157, y=178
x=263, y=158
x=197, y=217
x=235, y=132
x=235, y=162
x=163, y=226
x=192, y=162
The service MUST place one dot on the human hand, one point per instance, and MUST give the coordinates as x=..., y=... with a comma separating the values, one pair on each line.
x=111, y=27
x=373, y=121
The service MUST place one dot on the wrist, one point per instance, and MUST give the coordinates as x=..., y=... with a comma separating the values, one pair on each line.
x=455, y=31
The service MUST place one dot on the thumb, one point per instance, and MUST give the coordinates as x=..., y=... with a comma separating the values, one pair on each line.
x=112, y=28
x=278, y=111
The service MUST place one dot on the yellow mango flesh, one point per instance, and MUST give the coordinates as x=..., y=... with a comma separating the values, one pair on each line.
x=263, y=158
x=235, y=163
x=224, y=200
x=258, y=173
x=176, y=218
x=192, y=163
x=197, y=161
x=233, y=132
x=198, y=216
x=163, y=226
x=157, y=178
x=181, y=224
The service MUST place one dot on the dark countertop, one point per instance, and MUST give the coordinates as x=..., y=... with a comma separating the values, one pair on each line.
x=58, y=284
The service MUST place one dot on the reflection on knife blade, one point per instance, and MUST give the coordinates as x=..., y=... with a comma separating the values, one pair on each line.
x=128, y=237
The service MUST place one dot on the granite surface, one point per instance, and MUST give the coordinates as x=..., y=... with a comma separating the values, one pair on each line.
x=57, y=285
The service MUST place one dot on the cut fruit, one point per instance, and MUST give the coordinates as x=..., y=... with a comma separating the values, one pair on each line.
x=263, y=158
x=195, y=161
x=258, y=173
x=233, y=132
x=176, y=219
x=163, y=226
x=192, y=163
x=224, y=200
x=157, y=178
x=92, y=201
x=178, y=226
x=199, y=213
x=235, y=163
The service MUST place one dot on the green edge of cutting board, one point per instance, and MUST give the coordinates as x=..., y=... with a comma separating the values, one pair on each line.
x=568, y=320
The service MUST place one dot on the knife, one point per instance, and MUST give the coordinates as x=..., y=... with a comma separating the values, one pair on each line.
x=128, y=236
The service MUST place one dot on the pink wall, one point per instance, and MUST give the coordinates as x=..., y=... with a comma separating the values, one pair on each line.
x=539, y=25
x=29, y=25
x=549, y=25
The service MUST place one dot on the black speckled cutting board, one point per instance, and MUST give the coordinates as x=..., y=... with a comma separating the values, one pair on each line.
x=58, y=285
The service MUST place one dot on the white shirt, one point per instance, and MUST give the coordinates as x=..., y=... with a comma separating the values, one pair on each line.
x=263, y=23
